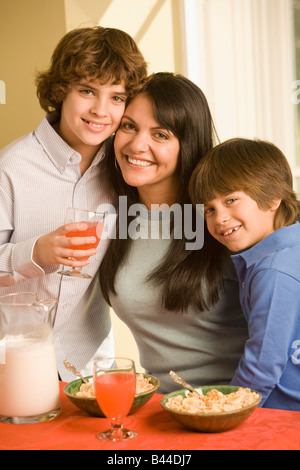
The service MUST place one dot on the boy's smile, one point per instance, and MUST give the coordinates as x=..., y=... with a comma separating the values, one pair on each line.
x=90, y=114
x=237, y=222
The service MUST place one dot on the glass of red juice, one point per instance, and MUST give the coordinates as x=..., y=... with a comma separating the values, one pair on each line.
x=115, y=385
x=94, y=223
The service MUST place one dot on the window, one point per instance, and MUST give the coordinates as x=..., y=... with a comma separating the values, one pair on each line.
x=242, y=55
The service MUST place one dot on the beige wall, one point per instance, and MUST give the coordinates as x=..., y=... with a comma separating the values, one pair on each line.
x=154, y=24
x=29, y=31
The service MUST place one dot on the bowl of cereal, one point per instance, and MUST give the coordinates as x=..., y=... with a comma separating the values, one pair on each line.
x=220, y=408
x=82, y=394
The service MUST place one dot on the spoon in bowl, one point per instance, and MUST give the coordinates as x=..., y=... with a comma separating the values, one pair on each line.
x=180, y=381
x=73, y=369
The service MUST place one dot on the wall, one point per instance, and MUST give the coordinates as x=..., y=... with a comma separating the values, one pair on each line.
x=154, y=24
x=29, y=31
x=247, y=47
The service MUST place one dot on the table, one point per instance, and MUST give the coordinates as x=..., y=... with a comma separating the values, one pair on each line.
x=265, y=429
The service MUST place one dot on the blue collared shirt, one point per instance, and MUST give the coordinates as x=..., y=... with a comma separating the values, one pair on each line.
x=269, y=280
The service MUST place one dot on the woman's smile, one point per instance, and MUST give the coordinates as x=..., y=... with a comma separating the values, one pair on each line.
x=138, y=162
x=147, y=153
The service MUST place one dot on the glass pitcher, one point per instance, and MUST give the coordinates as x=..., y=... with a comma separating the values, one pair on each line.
x=29, y=385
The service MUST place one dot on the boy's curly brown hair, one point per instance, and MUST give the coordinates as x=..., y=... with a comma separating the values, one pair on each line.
x=106, y=55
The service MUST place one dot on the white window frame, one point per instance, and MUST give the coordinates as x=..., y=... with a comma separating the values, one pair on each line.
x=241, y=54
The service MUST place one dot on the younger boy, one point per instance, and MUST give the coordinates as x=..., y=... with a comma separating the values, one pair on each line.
x=59, y=165
x=250, y=207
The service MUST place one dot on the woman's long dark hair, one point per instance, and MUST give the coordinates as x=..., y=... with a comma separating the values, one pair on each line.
x=187, y=278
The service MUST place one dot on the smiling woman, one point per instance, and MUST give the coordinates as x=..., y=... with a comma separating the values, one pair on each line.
x=181, y=315
x=147, y=153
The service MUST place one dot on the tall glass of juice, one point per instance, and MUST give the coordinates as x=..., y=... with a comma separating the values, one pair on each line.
x=115, y=385
x=93, y=224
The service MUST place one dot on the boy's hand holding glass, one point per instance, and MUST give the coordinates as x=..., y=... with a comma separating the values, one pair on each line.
x=85, y=238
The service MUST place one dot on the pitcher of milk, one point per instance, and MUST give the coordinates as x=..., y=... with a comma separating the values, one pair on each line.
x=29, y=385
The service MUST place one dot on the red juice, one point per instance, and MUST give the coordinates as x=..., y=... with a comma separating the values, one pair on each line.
x=115, y=393
x=94, y=230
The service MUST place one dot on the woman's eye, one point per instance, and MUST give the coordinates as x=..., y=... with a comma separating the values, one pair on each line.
x=127, y=126
x=162, y=136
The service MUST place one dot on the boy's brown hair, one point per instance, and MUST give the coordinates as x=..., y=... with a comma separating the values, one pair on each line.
x=256, y=167
x=95, y=54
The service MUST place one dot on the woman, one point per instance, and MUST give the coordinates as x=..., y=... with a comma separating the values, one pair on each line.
x=182, y=315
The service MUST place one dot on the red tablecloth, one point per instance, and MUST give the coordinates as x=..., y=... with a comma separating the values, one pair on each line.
x=265, y=429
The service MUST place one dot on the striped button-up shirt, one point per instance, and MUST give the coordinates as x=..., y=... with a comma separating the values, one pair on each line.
x=39, y=179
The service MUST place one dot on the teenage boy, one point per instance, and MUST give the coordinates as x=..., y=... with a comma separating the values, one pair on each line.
x=92, y=73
